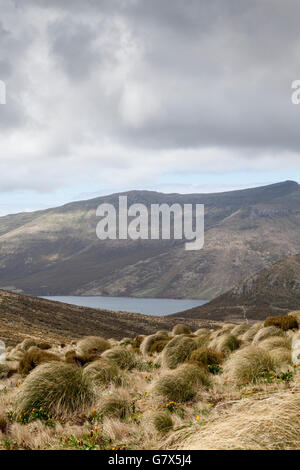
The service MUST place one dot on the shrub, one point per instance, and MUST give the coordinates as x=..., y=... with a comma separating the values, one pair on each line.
x=285, y=322
x=117, y=404
x=181, y=329
x=239, y=330
x=249, y=334
x=59, y=388
x=124, y=358
x=206, y=356
x=267, y=332
x=162, y=421
x=178, y=350
x=182, y=384
x=34, y=357
x=92, y=346
x=295, y=314
x=158, y=346
x=102, y=372
x=248, y=364
x=150, y=340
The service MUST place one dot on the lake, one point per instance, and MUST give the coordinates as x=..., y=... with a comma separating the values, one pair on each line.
x=158, y=307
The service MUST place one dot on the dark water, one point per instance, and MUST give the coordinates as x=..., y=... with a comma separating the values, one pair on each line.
x=128, y=304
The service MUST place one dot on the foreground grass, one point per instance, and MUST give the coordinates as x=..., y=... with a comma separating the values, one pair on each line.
x=232, y=388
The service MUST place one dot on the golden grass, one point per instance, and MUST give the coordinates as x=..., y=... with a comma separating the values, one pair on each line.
x=268, y=424
x=267, y=332
x=99, y=406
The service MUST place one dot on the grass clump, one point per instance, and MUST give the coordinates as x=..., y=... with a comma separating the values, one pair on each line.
x=267, y=332
x=158, y=346
x=239, y=330
x=181, y=329
x=91, y=347
x=251, y=332
x=207, y=356
x=122, y=357
x=182, y=384
x=249, y=364
x=162, y=421
x=102, y=372
x=227, y=343
x=59, y=388
x=116, y=404
x=150, y=340
x=177, y=351
x=4, y=371
x=33, y=358
x=27, y=343
x=275, y=342
x=285, y=322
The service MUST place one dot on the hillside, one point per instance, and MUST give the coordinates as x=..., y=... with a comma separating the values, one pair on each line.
x=56, y=251
x=24, y=316
x=272, y=291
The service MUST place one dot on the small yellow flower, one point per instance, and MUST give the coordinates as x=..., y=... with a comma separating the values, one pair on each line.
x=96, y=428
x=198, y=418
x=94, y=410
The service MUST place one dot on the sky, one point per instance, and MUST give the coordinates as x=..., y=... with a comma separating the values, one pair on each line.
x=169, y=95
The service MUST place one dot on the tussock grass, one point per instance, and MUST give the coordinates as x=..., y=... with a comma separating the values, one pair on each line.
x=34, y=357
x=269, y=424
x=226, y=343
x=91, y=347
x=102, y=372
x=162, y=421
x=275, y=342
x=183, y=383
x=251, y=332
x=267, y=332
x=60, y=388
x=248, y=364
x=4, y=371
x=150, y=340
x=239, y=330
x=27, y=343
x=158, y=346
x=177, y=351
x=117, y=404
x=281, y=356
x=122, y=357
x=206, y=356
x=181, y=329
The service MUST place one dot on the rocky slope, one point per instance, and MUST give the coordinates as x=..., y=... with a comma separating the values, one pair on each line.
x=56, y=252
x=272, y=291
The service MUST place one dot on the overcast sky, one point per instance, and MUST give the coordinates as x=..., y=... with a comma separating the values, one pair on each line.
x=173, y=95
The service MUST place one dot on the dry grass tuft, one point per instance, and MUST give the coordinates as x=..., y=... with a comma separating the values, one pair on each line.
x=117, y=404
x=150, y=340
x=181, y=329
x=270, y=424
x=249, y=334
x=162, y=421
x=207, y=356
x=102, y=372
x=248, y=364
x=183, y=383
x=124, y=358
x=177, y=351
x=92, y=346
x=239, y=330
x=34, y=357
x=267, y=332
x=60, y=388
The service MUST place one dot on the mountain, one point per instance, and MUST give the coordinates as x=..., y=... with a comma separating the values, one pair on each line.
x=22, y=316
x=272, y=291
x=56, y=251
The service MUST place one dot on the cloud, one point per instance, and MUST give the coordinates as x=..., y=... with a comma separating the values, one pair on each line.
x=126, y=91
